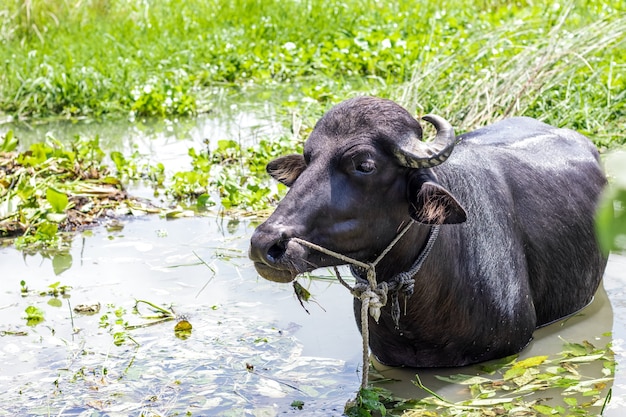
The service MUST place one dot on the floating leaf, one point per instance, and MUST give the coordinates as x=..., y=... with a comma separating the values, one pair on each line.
x=489, y=401
x=34, y=315
x=525, y=378
x=513, y=373
x=9, y=142
x=574, y=349
x=297, y=404
x=178, y=213
x=586, y=358
x=87, y=309
x=182, y=325
x=47, y=231
x=570, y=401
x=530, y=362
x=203, y=201
x=544, y=409
x=302, y=294
x=182, y=329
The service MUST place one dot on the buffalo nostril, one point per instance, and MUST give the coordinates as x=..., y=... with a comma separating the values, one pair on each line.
x=276, y=251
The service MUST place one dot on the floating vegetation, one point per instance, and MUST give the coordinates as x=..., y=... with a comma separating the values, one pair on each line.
x=575, y=382
x=55, y=292
x=53, y=187
x=34, y=315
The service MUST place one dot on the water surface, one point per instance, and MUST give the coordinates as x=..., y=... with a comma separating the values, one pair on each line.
x=253, y=350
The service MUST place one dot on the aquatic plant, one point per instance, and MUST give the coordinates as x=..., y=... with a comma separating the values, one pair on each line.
x=502, y=387
x=54, y=187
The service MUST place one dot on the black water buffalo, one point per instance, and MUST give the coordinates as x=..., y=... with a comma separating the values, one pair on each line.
x=516, y=246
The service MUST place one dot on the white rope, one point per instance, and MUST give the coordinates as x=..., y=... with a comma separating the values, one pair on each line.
x=374, y=295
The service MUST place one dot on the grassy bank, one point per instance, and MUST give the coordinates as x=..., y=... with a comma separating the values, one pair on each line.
x=472, y=61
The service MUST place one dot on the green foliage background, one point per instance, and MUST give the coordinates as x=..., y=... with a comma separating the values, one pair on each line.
x=472, y=61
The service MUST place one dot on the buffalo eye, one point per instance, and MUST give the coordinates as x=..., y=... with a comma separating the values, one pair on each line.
x=365, y=167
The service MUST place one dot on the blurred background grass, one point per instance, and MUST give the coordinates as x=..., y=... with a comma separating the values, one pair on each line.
x=470, y=61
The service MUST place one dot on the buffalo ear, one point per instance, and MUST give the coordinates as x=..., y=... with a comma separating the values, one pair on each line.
x=433, y=204
x=286, y=169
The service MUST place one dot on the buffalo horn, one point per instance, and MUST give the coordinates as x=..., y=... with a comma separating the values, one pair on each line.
x=418, y=154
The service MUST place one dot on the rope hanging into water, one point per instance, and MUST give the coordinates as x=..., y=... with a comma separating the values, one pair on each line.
x=374, y=295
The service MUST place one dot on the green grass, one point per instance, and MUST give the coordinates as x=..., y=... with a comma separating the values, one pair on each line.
x=471, y=61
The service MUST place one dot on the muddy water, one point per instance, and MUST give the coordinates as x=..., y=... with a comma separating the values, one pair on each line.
x=253, y=349
x=69, y=364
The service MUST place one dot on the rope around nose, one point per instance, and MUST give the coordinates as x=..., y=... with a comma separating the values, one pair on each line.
x=374, y=295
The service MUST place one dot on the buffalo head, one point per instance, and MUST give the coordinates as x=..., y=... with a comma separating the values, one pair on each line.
x=365, y=173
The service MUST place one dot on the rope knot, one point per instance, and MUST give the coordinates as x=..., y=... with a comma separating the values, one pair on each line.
x=373, y=298
x=405, y=285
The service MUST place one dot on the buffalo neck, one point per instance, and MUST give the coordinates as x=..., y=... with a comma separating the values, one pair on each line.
x=402, y=257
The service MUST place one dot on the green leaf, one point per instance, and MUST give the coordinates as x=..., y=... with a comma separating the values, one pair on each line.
x=225, y=144
x=202, y=201
x=119, y=160
x=57, y=199
x=47, y=231
x=585, y=358
x=574, y=349
x=530, y=362
x=34, y=316
x=571, y=401
x=33, y=312
x=56, y=217
x=297, y=404
x=514, y=373
x=9, y=142
x=302, y=293
x=544, y=409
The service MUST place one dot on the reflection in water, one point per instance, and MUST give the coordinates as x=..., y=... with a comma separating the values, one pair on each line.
x=165, y=141
x=252, y=346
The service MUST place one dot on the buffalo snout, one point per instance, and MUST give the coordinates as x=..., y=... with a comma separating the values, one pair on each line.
x=275, y=255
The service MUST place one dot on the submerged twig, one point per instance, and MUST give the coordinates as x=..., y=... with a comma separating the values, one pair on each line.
x=166, y=313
